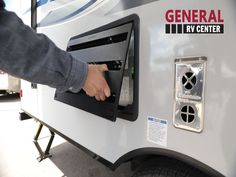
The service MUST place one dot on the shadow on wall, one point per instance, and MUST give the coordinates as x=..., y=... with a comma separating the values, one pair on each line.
x=75, y=163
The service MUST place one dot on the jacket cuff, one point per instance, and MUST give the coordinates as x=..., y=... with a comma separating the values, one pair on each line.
x=78, y=75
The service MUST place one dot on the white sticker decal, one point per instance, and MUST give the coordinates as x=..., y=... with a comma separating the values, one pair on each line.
x=157, y=131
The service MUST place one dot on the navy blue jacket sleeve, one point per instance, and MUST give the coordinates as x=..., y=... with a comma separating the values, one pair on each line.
x=2, y=4
x=34, y=57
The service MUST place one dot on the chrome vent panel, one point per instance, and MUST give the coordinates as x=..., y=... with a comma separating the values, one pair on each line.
x=189, y=93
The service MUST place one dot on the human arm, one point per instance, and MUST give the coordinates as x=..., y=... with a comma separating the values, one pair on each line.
x=35, y=58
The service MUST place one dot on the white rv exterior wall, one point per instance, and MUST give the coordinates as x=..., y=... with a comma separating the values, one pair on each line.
x=215, y=146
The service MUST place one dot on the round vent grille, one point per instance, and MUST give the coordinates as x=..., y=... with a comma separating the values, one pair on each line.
x=189, y=80
x=187, y=114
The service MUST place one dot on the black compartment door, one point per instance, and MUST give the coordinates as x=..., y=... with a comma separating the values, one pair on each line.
x=107, y=44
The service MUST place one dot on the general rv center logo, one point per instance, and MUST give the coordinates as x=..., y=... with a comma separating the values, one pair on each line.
x=194, y=22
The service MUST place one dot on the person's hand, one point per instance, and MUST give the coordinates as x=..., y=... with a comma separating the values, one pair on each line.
x=95, y=84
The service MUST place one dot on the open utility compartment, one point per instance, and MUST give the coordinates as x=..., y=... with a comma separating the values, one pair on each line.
x=117, y=45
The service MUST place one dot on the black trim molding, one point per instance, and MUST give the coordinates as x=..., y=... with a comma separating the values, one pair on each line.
x=170, y=154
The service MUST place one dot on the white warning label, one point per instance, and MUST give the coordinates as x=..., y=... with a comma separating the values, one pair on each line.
x=157, y=131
